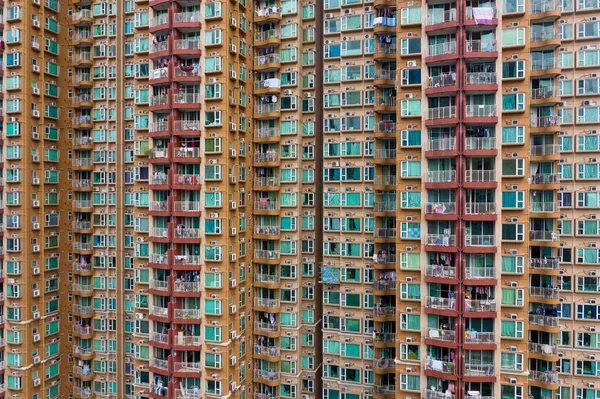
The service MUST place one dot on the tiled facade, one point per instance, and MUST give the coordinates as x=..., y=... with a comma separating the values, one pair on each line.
x=294, y=199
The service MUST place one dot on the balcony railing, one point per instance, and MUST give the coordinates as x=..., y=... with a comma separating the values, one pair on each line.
x=481, y=78
x=158, y=47
x=431, y=394
x=270, y=230
x=384, y=311
x=441, y=112
x=545, y=92
x=542, y=206
x=385, y=206
x=437, y=16
x=480, y=272
x=188, y=367
x=267, y=350
x=544, y=263
x=480, y=208
x=385, y=233
x=480, y=176
x=546, y=377
x=387, y=48
x=266, y=108
x=158, y=337
x=187, y=313
x=160, y=259
x=385, y=154
x=481, y=111
x=267, y=59
x=187, y=17
x=481, y=46
x=476, y=337
x=187, y=125
x=269, y=375
x=266, y=302
x=441, y=239
x=186, y=232
x=384, y=285
x=269, y=156
x=488, y=305
x=440, y=208
x=442, y=144
x=384, y=363
x=264, y=326
x=191, y=259
x=441, y=176
x=434, y=302
x=543, y=235
x=384, y=389
x=541, y=36
x=186, y=286
x=385, y=74
x=480, y=143
x=385, y=101
x=187, y=44
x=442, y=48
x=266, y=278
x=439, y=365
x=541, y=65
x=385, y=180
x=544, y=321
x=160, y=206
x=264, y=254
x=543, y=349
x=266, y=181
x=547, y=149
x=159, y=363
x=263, y=133
x=187, y=340
x=159, y=311
x=441, y=335
x=480, y=240
x=545, y=178
x=266, y=205
x=475, y=370
x=186, y=179
x=186, y=98
x=440, y=271
x=543, y=6
x=542, y=292
x=186, y=206
x=266, y=35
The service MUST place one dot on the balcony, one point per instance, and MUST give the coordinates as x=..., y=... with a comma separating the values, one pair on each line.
x=385, y=74
x=187, y=340
x=186, y=286
x=186, y=98
x=187, y=232
x=159, y=311
x=441, y=239
x=159, y=206
x=385, y=311
x=185, y=45
x=385, y=127
x=186, y=206
x=481, y=111
x=480, y=240
x=82, y=330
x=267, y=60
x=271, y=108
x=480, y=176
x=186, y=179
x=384, y=363
x=385, y=102
x=545, y=178
x=433, y=394
x=481, y=46
x=385, y=233
x=271, y=351
x=268, y=375
x=544, y=35
x=446, y=48
x=543, y=150
x=266, y=278
x=476, y=337
x=545, y=92
x=385, y=154
x=543, y=321
x=543, y=207
x=543, y=235
x=543, y=349
x=84, y=310
x=186, y=367
x=441, y=113
x=437, y=16
x=385, y=180
x=488, y=305
x=384, y=390
x=470, y=16
x=266, y=182
x=384, y=285
x=160, y=232
x=441, y=335
x=385, y=206
x=440, y=208
x=266, y=302
x=546, y=293
x=544, y=263
x=447, y=144
x=479, y=370
x=480, y=208
x=545, y=377
x=440, y=271
x=159, y=47
x=434, y=302
x=188, y=260
x=480, y=272
x=544, y=6
x=269, y=156
x=187, y=314
x=82, y=288
x=267, y=255
x=441, y=176
x=82, y=246
x=159, y=285
x=266, y=327
x=481, y=78
x=162, y=364
x=187, y=125
x=184, y=71
x=160, y=259
x=439, y=365
x=265, y=205
x=543, y=65
x=266, y=133
x=385, y=50
x=187, y=17
x=188, y=393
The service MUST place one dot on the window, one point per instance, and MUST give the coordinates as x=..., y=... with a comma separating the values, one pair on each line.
x=511, y=361
x=513, y=232
x=513, y=134
x=513, y=167
x=513, y=102
x=513, y=37
x=513, y=69
x=410, y=15
x=411, y=107
x=513, y=264
x=512, y=329
x=513, y=199
x=512, y=297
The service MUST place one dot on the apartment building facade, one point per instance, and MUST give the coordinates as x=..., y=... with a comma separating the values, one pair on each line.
x=343, y=199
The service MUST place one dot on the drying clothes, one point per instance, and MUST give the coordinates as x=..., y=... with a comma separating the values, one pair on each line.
x=483, y=15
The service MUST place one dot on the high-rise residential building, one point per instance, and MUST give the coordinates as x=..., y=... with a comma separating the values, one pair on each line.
x=336, y=199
